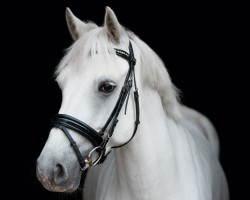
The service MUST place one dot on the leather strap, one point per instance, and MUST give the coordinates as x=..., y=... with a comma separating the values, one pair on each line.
x=74, y=146
x=63, y=120
x=137, y=121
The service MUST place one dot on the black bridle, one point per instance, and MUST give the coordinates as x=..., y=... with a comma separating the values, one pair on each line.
x=98, y=139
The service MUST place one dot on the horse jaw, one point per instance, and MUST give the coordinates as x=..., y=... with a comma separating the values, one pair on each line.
x=58, y=169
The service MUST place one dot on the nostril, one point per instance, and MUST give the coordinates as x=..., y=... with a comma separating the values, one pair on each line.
x=60, y=174
x=59, y=171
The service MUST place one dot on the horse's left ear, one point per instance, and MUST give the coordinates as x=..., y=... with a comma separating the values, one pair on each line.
x=112, y=25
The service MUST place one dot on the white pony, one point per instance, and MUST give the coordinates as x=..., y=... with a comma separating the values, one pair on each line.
x=172, y=155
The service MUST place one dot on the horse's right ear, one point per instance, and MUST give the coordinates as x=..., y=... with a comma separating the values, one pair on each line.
x=74, y=24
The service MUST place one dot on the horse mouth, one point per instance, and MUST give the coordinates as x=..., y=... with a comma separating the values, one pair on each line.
x=49, y=182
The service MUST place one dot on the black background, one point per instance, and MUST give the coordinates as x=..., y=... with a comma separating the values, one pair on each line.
x=202, y=45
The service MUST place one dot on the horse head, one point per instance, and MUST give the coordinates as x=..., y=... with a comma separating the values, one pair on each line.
x=95, y=77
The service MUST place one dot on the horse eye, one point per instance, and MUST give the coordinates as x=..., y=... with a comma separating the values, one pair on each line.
x=106, y=87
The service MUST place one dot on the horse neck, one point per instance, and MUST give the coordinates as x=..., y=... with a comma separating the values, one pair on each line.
x=148, y=161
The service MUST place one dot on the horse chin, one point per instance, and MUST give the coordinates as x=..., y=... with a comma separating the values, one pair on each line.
x=52, y=183
x=60, y=188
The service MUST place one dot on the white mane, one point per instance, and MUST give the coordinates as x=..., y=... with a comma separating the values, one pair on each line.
x=154, y=73
x=92, y=42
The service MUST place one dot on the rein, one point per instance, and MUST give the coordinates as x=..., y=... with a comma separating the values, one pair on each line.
x=99, y=139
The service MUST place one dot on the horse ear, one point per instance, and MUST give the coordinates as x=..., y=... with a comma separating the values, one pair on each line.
x=112, y=25
x=74, y=24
